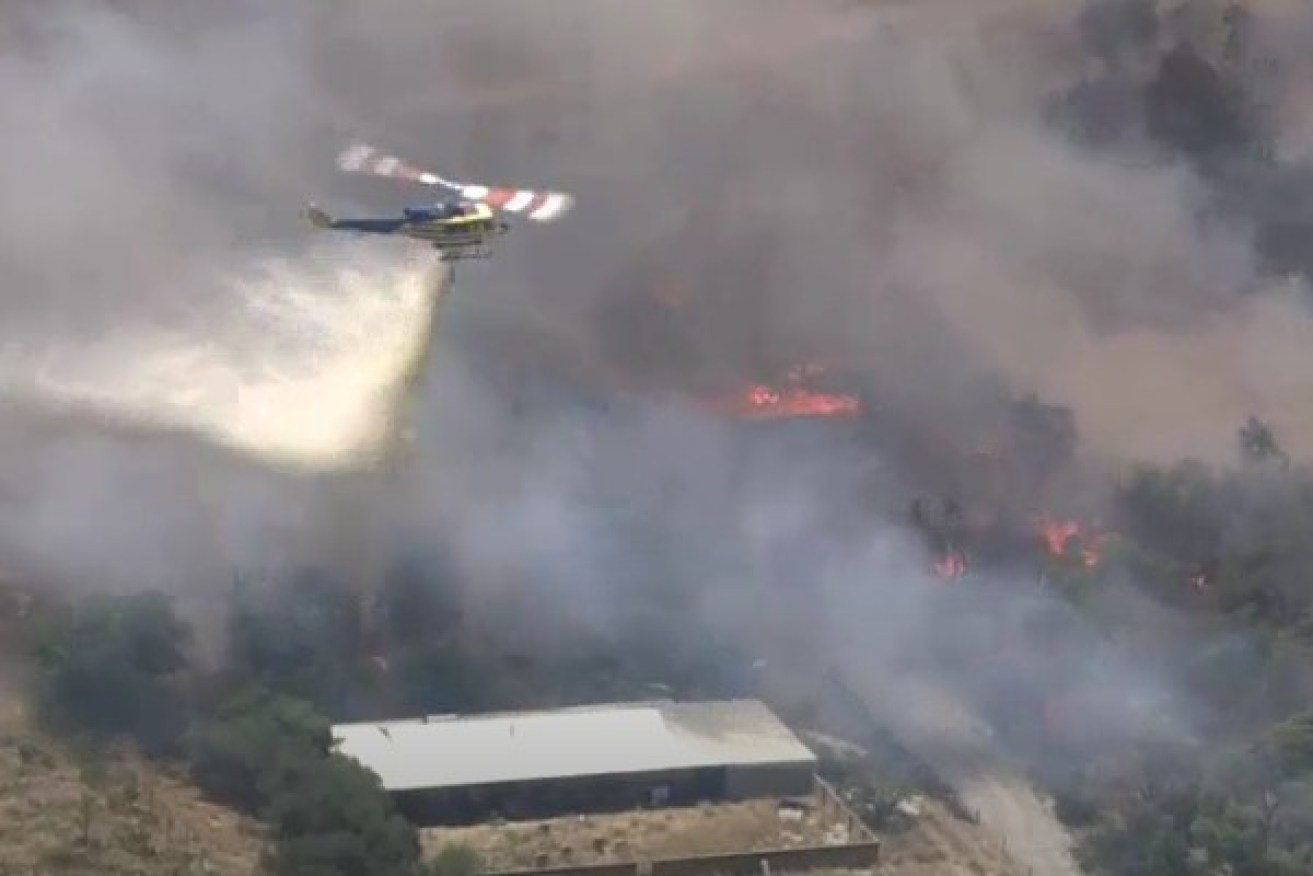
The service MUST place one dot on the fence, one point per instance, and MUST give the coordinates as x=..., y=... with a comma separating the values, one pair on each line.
x=862, y=851
x=852, y=856
x=833, y=805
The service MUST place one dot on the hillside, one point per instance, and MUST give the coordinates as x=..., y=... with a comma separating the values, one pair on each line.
x=108, y=813
x=940, y=844
x=113, y=813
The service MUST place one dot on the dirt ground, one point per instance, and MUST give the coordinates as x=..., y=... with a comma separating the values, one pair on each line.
x=939, y=729
x=938, y=844
x=652, y=834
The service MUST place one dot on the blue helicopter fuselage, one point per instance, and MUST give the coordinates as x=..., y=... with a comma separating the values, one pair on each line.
x=457, y=228
x=434, y=212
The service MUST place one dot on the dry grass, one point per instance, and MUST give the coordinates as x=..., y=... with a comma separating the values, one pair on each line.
x=654, y=834
x=939, y=844
x=108, y=814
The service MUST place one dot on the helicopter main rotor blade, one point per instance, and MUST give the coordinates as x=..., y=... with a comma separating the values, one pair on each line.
x=364, y=158
x=537, y=206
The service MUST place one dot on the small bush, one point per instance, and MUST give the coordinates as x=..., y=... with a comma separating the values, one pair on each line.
x=456, y=859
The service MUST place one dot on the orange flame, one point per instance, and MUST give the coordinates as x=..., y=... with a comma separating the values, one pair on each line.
x=1058, y=539
x=768, y=402
x=670, y=294
x=793, y=399
x=951, y=566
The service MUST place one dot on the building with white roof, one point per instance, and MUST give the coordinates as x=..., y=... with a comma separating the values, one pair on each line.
x=452, y=769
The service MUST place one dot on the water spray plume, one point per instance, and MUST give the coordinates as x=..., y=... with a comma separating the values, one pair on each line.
x=308, y=368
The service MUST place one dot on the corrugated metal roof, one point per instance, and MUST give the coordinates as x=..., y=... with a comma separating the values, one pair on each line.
x=455, y=751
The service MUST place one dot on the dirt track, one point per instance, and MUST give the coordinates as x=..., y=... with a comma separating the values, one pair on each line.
x=932, y=726
x=943, y=845
x=1031, y=835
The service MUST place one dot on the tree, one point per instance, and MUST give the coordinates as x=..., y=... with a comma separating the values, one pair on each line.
x=420, y=601
x=1178, y=512
x=110, y=667
x=1258, y=443
x=302, y=636
x=243, y=755
x=337, y=819
x=1288, y=746
x=1044, y=437
x=422, y=615
x=438, y=677
x=1192, y=108
x=1144, y=840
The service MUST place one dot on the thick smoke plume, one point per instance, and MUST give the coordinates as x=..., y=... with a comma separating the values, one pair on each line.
x=875, y=187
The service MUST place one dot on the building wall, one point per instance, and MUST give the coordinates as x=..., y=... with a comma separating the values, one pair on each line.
x=595, y=794
x=770, y=780
x=857, y=856
x=567, y=796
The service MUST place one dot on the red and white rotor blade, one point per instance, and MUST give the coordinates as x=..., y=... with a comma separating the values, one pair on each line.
x=537, y=206
x=363, y=158
x=533, y=205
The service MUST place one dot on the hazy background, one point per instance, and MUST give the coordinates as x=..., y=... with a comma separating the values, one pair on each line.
x=870, y=186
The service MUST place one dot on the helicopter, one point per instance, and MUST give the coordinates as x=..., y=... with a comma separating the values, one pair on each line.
x=459, y=227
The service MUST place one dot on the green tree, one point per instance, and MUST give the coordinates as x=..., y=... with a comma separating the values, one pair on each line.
x=1273, y=777
x=336, y=819
x=111, y=667
x=243, y=755
x=1288, y=746
x=1179, y=512
x=1144, y=840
